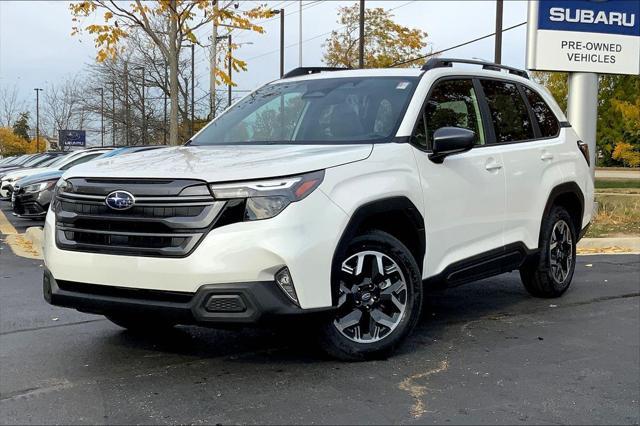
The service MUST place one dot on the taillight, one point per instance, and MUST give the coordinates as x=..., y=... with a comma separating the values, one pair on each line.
x=584, y=149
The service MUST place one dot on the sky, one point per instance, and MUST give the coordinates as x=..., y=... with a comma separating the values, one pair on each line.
x=37, y=49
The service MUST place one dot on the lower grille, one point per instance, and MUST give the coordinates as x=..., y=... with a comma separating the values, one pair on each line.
x=161, y=222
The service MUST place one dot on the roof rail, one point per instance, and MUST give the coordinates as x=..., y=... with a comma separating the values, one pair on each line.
x=448, y=62
x=296, y=72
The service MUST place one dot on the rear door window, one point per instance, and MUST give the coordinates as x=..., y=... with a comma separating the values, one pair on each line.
x=509, y=113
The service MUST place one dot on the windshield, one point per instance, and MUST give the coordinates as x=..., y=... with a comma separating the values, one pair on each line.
x=48, y=161
x=62, y=159
x=337, y=110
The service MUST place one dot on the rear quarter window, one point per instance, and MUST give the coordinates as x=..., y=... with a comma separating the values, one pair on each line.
x=547, y=120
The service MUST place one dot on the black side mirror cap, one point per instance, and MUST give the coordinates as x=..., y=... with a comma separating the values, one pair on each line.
x=449, y=141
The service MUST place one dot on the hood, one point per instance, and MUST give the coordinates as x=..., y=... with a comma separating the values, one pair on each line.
x=223, y=163
x=39, y=177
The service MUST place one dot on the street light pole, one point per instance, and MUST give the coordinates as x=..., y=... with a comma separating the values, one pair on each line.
x=361, y=41
x=193, y=90
x=498, y=46
x=230, y=68
x=281, y=42
x=144, y=108
x=300, y=37
x=166, y=86
x=37, y=119
x=101, y=90
x=113, y=113
x=126, y=103
x=213, y=63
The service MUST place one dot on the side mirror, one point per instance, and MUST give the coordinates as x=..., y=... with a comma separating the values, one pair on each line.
x=451, y=140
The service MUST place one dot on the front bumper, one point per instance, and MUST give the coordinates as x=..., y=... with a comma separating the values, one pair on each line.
x=303, y=238
x=210, y=305
x=33, y=205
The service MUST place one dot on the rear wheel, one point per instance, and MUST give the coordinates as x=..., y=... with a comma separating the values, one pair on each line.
x=380, y=298
x=550, y=273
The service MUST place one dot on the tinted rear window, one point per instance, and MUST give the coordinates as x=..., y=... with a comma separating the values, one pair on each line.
x=547, y=121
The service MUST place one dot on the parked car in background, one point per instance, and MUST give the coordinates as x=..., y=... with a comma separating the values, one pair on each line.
x=31, y=195
x=30, y=161
x=65, y=162
x=16, y=162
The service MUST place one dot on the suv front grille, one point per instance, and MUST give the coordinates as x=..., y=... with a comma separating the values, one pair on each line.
x=161, y=222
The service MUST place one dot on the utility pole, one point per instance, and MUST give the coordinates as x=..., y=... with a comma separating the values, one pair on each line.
x=498, y=47
x=38, y=118
x=101, y=90
x=193, y=90
x=144, y=108
x=113, y=113
x=281, y=42
x=300, y=37
x=186, y=97
x=361, y=41
x=230, y=68
x=126, y=103
x=213, y=62
x=166, y=86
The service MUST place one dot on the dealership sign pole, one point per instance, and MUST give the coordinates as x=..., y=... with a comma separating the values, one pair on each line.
x=584, y=38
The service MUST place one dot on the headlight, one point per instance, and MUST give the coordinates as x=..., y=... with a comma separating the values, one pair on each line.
x=266, y=198
x=40, y=186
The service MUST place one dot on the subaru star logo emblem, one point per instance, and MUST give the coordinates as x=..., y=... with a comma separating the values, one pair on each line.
x=120, y=200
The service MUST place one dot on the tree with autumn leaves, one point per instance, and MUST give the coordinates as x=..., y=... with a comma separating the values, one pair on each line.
x=618, y=134
x=387, y=43
x=169, y=24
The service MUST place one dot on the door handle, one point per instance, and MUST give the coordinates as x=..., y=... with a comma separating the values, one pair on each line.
x=493, y=166
x=546, y=156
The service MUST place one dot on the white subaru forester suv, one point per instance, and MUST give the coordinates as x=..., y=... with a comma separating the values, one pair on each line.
x=341, y=196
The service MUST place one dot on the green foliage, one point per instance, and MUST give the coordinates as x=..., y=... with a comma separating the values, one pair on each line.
x=386, y=42
x=618, y=111
x=21, y=126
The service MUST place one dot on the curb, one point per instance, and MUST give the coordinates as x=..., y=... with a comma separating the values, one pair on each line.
x=609, y=245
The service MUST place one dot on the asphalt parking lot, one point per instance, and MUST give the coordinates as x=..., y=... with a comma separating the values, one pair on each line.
x=486, y=352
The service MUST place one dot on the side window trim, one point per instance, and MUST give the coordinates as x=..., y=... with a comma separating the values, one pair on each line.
x=489, y=132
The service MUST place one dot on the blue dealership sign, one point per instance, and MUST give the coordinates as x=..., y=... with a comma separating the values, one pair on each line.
x=72, y=137
x=604, y=17
x=600, y=36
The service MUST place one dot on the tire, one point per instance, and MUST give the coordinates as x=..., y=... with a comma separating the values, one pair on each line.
x=140, y=325
x=549, y=274
x=375, y=311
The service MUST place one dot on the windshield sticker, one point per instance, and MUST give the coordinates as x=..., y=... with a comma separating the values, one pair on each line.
x=402, y=85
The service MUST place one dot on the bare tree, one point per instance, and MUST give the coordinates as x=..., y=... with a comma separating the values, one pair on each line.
x=10, y=105
x=62, y=107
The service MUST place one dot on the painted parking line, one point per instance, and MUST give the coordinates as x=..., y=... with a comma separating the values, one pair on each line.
x=6, y=228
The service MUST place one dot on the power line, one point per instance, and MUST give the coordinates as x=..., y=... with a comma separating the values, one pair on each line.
x=456, y=46
x=271, y=52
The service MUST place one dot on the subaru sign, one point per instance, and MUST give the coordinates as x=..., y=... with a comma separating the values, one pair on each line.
x=596, y=36
x=72, y=137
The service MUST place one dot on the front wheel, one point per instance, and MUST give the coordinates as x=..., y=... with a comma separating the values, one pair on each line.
x=550, y=273
x=379, y=301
